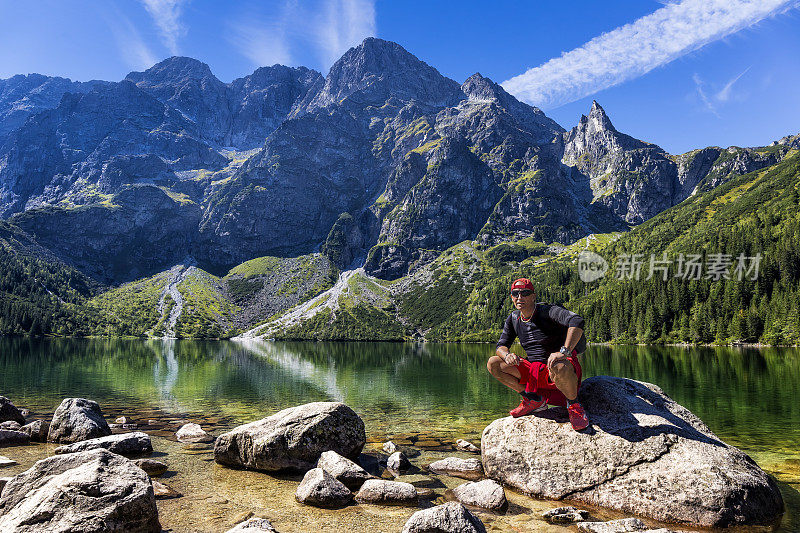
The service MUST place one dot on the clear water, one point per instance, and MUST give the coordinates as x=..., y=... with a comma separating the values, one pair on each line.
x=422, y=394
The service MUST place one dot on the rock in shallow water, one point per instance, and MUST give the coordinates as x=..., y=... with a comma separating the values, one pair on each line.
x=487, y=494
x=389, y=447
x=37, y=430
x=5, y=461
x=643, y=454
x=8, y=411
x=454, y=466
x=387, y=492
x=565, y=515
x=105, y=491
x=451, y=517
x=77, y=419
x=343, y=469
x=623, y=525
x=320, y=489
x=10, y=425
x=13, y=438
x=124, y=444
x=466, y=446
x=193, y=433
x=151, y=467
x=293, y=439
x=253, y=525
x=164, y=492
x=398, y=462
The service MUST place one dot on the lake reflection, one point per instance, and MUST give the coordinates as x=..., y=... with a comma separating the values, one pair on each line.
x=747, y=396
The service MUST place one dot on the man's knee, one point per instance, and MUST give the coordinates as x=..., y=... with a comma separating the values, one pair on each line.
x=493, y=364
x=562, y=370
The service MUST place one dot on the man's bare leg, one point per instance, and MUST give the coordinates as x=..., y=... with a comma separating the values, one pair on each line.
x=506, y=374
x=566, y=380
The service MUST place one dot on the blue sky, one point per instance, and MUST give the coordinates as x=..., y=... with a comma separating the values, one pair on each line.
x=682, y=74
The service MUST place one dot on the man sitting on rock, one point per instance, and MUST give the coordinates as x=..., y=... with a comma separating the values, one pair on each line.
x=550, y=372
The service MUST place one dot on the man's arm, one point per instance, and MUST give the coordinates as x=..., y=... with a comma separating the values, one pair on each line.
x=573, y=336
x=574, y=323
x=506, y=339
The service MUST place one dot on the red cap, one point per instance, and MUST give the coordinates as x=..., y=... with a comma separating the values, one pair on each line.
x=522, y=283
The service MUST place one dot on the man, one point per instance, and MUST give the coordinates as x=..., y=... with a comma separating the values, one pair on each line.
x=550, y=372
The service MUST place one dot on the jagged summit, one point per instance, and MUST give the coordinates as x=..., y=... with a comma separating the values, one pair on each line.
x=597, y=120
x=379, y=69
x=172, y=69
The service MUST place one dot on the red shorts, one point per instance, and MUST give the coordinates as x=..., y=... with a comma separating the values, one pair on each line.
x=536, y=378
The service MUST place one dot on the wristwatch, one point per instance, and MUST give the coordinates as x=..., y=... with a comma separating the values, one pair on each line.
x=565, y=350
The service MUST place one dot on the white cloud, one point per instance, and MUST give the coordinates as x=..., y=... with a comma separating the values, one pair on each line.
x=724, y=94
x=712, y=102
x=167, y=14
x=131, y=45
x=637, y=48
x=283, y=32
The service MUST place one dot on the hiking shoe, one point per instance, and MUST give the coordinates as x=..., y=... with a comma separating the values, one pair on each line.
x=527, y=407
x=577, y=417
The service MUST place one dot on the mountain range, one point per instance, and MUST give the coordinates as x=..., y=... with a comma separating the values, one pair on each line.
x=382, y=164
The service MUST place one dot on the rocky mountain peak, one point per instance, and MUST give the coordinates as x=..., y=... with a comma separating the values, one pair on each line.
x=597, y=120
x=379, y=69
x=479, y=87
x=171, y=70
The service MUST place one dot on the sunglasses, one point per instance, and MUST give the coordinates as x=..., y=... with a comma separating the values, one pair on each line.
x=516, y=293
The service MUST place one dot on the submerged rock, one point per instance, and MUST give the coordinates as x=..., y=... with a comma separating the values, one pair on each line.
x=387, y=492
x=253, y=525
x=466, y=446
x=8, y=411
x=451, y=517
x=77, y=419
x=193, y=433
x=643, y=454
x=151, y=467
x=124, y=444
x=343, y=469
x=398, y=462
x=5, y=461
x=321, y=489
x=87, y=492
x=623, y=525
x=37, y=430
x=164, y=492
x=454, y=466
x=10, y=425
x=487, y=494
x=293, y=439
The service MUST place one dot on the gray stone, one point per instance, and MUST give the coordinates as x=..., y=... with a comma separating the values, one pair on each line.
x=3, y=481
x=164, y=492
x=136, y=443
x=152, y=467
x=381, y=491
x=37, y=430
x=193, y=433
x=565, y=515
x=451, y=517
x=466, y=446
x=623, y=525
x=320, y=489
x=8, y=411
x=253, y=525
x=13, y=438
x=643, y=454
x=77, y=419
x=454, y=466
x=293, y=439
x=343, y=469
x=398, y=462
x=487, y=494
x=10, y=425
x=390, y=447
x=105, y=491
x=5, y=461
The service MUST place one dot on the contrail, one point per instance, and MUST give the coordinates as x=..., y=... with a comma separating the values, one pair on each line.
x=637, y=48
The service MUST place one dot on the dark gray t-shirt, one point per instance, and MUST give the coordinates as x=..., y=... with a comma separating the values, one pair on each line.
x=544, y=334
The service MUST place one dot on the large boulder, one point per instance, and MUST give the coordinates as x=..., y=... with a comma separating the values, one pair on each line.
x=77, y=419
x=643, y=453
x=487, y=494
x=451, y=517
x=37, y=430
x=135, y=443
x=94, y=491
x=293, y=439
x=8, y=411
x=382, y=491
x=13, y=438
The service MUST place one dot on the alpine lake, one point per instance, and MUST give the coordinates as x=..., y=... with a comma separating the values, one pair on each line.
x=421, y=396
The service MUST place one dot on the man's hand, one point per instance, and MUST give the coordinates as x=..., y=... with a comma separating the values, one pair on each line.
x=554, y=358
x=511, y=359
